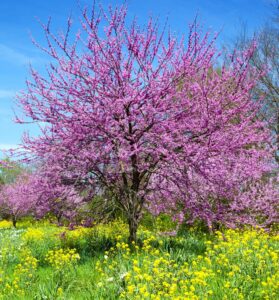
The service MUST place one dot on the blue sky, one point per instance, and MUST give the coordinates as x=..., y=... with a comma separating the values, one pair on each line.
x=18, y=21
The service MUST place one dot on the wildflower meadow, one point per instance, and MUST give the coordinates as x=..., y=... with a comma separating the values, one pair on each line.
x=42, y=261
x=150, y=170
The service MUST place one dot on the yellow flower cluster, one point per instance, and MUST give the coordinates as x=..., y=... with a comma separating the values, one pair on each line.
x=22, y=276
x=77, y=234
x=157, y=276
x=4, y=224
x=62, y=258
x=245, y=259
x=231, y=264
x=33, y=234
x=236, y=265
x=111, y=230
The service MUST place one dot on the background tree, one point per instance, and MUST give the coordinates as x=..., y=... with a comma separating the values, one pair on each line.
x=54, y=198
x=38, y=195
x=266, y=57
x=16, y=201
x=9, y=171
x=142, y=115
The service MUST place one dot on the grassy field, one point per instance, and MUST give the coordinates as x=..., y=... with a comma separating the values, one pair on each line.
x=39, y=260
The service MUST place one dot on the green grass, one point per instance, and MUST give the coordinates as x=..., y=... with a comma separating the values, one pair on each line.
x=193, y=265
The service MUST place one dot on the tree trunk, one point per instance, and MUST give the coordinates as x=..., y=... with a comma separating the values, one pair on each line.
x=14, y=221
x=133, y=228
x=59, y=217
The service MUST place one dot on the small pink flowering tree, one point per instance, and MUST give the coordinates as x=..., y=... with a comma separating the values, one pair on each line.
x=51, y=196
x=256, y=204
x=37, y=195
x=16, y=200
x=144, y=116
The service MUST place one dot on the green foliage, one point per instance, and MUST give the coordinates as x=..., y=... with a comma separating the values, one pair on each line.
x=161, y=223
x=9, y=173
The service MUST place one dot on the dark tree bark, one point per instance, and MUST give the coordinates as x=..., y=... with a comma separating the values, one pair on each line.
x=14, y=220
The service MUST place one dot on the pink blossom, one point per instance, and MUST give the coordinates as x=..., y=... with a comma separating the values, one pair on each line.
x=147, y=117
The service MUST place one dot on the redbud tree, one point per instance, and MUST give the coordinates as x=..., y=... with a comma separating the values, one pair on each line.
x=140, y=114
x=38, y=195
x=52, y=197
x=16, y=201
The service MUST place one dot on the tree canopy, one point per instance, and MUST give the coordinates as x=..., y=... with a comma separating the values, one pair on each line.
x=144, y=115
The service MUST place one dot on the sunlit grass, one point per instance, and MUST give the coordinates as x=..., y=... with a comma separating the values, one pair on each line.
x=42, y=261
